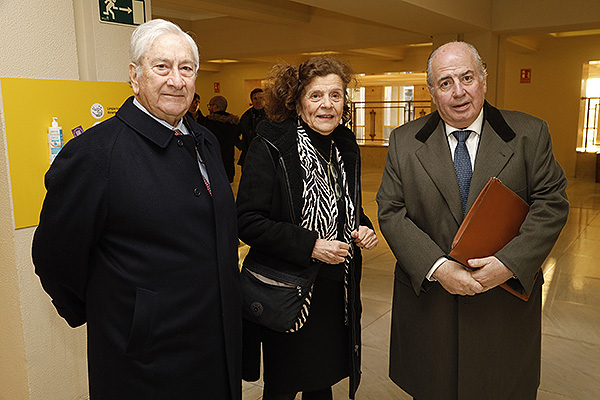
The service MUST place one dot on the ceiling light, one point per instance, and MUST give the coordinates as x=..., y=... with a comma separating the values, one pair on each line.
x=576, y=33
x=222, y=61
x=320, y=53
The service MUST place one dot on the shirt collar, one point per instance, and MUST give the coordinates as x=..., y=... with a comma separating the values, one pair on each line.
x=181, y=126
x=476, y=126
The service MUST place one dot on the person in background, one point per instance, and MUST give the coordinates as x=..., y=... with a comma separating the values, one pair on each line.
x=249, y=121
x=194, y=110
x=299, y=205
x=455, y=334
x=225, y=127
x=138, y=238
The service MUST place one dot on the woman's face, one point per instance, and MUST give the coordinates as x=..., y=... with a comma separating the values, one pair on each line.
x=322, y=104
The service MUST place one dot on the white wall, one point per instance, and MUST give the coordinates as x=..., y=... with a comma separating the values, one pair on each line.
x=555, y=89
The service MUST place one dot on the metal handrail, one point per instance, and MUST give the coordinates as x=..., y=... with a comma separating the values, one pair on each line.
x=408, y=107
x=590, y=123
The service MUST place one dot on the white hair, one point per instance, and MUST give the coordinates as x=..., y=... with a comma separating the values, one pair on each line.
x=144, y=36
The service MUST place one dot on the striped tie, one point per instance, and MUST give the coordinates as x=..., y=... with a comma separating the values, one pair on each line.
x=206, y=183
x=462, y=164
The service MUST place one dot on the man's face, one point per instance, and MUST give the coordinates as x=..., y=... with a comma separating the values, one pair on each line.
x=165, y=84
x=458, y=90
x=258, y=101
x=212, y=107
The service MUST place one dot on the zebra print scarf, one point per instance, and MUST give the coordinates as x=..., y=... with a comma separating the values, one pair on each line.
x=320, y=209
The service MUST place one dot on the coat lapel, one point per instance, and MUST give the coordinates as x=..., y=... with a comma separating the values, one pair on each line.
x=492, y=156
x=434, y=155
x=494, y=150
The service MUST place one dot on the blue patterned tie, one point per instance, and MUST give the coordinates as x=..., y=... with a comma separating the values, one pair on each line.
x=462, y=164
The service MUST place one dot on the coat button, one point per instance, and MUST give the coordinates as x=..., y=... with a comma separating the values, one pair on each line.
x=179, y=142
x=197, y=192
x=256, y=309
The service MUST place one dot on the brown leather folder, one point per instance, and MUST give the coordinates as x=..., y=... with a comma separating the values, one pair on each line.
x=494, y=220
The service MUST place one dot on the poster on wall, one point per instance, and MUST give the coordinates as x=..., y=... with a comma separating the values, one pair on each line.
x=125, y=12
x=66, y=110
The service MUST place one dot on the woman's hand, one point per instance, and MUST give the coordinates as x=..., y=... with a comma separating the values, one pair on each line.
x=365, y=238
x=330, y=251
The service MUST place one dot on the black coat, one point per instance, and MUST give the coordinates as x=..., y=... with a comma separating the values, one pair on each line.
x=269, y=214
x=248, y=123
x=225, y=127
x=131, y=242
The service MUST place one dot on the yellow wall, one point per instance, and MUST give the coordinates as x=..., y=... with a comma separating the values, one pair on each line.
x=28, y=154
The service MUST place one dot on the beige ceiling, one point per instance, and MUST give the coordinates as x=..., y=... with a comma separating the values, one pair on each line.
x=251, y=31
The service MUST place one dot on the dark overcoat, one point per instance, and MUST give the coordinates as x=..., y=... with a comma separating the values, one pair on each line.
x=269, y=215
x=131, y=242
x=467, y=347
x=225, y=127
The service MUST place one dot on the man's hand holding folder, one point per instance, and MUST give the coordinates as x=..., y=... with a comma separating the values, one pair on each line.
x=492, y=222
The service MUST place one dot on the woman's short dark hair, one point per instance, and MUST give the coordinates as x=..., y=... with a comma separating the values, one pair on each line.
x=286, y=83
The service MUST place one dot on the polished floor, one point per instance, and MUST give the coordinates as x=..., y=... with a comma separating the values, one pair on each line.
x=571, y=314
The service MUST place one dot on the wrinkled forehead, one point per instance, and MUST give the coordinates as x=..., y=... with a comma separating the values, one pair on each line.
x=169, y=47
x=453, y=58
x=327, y=83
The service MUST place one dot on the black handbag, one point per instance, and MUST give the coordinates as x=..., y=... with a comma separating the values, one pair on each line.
x=276, y=299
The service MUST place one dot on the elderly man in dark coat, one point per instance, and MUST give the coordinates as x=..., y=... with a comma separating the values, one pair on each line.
x=456, y=335
x=138, y=238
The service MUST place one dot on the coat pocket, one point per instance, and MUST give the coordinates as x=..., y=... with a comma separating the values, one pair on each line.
x=141, y=326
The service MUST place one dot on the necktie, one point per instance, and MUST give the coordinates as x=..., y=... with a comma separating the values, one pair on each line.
x=200, y=164
x=462, y=164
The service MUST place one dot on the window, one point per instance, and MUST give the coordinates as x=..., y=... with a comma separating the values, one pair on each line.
x=589, y=140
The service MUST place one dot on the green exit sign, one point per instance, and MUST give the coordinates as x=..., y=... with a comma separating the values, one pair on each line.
x=127, y=12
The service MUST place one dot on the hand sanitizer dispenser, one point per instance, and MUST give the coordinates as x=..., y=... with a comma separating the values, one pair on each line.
x=55, y=139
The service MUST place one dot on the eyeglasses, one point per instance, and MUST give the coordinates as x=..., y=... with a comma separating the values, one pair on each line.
x=317, y=96
x=332, y=175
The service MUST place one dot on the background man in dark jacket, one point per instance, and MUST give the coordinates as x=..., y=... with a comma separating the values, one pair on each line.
x=455, y=333
x=249, y=121
x=137, y=237
x=224, y=126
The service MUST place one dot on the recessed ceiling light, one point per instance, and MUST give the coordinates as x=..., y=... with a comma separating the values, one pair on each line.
x=576, y=33
x=222, y=61
x=320, y=53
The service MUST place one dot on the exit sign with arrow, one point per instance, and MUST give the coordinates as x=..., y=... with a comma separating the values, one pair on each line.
x=127, y=12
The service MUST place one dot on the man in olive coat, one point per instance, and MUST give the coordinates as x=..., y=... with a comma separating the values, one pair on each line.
x=455, y=333
x=138, y=239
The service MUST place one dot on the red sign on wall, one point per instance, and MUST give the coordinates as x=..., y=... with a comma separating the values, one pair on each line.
x=217, y=87
x=526, y=75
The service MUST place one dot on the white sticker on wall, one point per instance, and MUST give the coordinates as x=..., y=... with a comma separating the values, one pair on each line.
x=97, y=110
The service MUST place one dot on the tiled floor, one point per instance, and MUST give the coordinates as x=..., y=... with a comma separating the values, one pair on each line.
x=571, y=316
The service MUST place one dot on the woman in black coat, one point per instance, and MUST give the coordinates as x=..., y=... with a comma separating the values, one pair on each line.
x=299, y=209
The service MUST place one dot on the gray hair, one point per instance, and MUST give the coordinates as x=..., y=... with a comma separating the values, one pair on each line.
x=474, y=53
x=220, y=102
x=144, y=36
